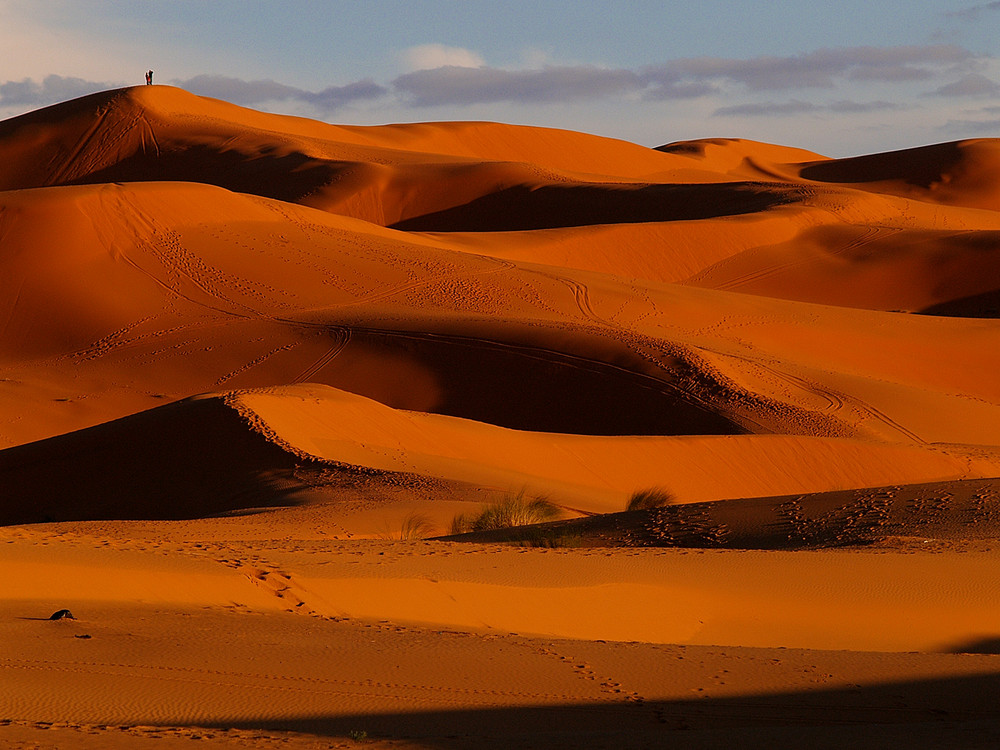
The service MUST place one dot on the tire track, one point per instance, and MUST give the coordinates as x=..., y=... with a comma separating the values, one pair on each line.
x=343, y=339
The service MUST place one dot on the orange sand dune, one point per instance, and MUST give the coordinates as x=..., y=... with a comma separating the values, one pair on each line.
x=395, y=324
x=381, y=174
x=461, y=177
x=158, y=296
x=963, y=173
x=739, y=157
x=128, y=469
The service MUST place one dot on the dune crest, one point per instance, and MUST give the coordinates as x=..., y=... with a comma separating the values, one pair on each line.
x=268, y=386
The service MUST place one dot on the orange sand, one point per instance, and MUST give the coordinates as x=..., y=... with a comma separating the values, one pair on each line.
x=240, y=352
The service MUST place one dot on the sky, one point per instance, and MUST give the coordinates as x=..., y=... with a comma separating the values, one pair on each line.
x=839, y=79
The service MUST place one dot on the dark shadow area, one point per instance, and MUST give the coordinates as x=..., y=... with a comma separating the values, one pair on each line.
x=985, y=305
x=920, y=167
x=285, y=177
x=550, y=206
x=961, y=510
x=965, y=706
x=526, y=388
x=190, y=459
x=988, y=645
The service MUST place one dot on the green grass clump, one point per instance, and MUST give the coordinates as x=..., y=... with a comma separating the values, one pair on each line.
x=508, y=511
x=651, y=498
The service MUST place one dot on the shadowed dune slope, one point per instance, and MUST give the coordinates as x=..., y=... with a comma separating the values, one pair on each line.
x=928, y=516
x=211, y=455
x=115, y=297
x=191, y=459
x=961, y=173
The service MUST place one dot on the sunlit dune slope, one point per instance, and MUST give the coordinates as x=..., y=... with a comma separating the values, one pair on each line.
x=116, y=297
x=898, y=231
x=251, y=449
x=382, y=174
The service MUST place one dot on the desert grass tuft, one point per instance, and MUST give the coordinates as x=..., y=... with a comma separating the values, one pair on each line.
x=650, y=498
x=413, y=526
x=506, y=512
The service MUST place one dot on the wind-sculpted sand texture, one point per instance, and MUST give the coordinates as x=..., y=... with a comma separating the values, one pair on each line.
x=253, y=367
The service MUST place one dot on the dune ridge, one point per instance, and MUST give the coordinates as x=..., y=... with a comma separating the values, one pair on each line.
x=253, y=367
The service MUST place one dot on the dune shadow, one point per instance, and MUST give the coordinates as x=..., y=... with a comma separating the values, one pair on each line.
x=269, y=174
x=525, y=207
x=984, y=305
x=926, y=711
x=527, y=387
x=985, y=645
x=921, y=166
x=189, y=459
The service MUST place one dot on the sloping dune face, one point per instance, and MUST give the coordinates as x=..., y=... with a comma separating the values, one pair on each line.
x=253, y=368
x=236, y=250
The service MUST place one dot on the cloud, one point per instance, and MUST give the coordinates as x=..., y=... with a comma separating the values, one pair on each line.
x=965, y=128
x=239, y=91
x=335, y=97
x=973, y=84
x=28, y=93
x=796, y=107
x=848, y=107
x=891, y=73
x=818, y=69
x=52, y=89
x=248, y=93
x=766, y=109
x=475, y=83
x=430, y=56
x=974, y=12
x=458, y=85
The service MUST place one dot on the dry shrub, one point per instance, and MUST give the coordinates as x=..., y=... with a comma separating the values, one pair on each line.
x=651, y=498
x=508, y=511
x=413, y=526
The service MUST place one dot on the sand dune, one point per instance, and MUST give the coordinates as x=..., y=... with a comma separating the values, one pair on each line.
x=250, y=364
x=270, y=447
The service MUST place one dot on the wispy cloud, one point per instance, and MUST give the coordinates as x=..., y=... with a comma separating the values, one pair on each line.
x=973, y=84
x=818, y=69
x=796, y=107
x=28, y=93
x=766, y=109
x=457, y=77
x=430, y=56
x=973, y=12
x=459, y=85
x=243, y=92
x=51, y=89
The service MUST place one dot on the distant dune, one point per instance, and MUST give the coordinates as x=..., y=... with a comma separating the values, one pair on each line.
x=253, y=366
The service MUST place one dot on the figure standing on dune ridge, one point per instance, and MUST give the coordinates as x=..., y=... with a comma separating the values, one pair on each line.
x=149, y=78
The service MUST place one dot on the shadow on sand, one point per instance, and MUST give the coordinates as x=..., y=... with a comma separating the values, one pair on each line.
x=942, y=712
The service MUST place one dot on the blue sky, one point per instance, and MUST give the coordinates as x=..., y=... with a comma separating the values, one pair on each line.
x=837, y=78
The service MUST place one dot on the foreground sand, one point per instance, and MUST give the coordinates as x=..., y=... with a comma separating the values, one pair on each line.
x=253, y=366
x=225, y=642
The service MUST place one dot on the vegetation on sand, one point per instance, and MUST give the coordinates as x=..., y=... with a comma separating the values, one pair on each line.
x=650, y=498
x=508, y=511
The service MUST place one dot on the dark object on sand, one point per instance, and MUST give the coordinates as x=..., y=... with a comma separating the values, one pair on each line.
x=62, y=614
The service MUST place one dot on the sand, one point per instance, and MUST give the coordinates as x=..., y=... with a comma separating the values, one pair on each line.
x=252, y=368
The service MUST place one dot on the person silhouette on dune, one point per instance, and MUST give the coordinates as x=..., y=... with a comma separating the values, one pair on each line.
x=149, y=78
